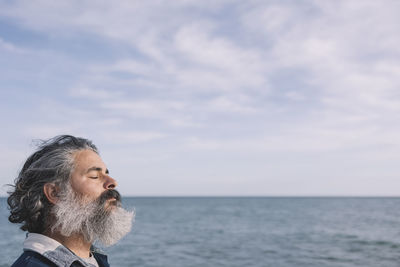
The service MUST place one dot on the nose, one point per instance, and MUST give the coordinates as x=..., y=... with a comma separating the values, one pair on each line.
x=110, y=183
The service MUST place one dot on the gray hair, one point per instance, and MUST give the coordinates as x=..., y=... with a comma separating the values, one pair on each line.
x=53, y=162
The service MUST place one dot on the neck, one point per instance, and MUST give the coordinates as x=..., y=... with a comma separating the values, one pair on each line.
x=76, y=243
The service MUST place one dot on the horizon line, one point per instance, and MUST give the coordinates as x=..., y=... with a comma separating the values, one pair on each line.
x=254, y=196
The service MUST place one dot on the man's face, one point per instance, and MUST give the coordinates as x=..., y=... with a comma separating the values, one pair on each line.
x=90, y=177
x=89, y=205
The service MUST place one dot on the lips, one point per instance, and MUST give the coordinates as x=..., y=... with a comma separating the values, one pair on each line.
x=112, y=200
x=110, y=195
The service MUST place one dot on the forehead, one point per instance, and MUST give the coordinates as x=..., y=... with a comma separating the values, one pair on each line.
x=86, y=159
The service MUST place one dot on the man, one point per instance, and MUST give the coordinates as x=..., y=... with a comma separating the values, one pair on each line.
x=65, y=198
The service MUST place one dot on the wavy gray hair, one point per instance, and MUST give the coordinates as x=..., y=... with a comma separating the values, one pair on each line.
x=53, y=162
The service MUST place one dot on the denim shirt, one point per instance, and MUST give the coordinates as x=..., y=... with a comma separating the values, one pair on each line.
x=40, y=250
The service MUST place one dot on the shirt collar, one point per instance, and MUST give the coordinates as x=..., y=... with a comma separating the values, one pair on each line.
x=52, y=250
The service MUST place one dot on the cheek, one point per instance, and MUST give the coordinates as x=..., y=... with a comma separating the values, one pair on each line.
x=86, y=188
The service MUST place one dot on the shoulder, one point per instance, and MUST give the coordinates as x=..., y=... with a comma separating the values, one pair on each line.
x=32, y=259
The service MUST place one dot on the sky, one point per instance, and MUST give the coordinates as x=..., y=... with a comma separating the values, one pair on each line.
x=209, y=98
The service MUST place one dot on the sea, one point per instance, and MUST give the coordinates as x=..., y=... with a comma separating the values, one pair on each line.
x=248, y=231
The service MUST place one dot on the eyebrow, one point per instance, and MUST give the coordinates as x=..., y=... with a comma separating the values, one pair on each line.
x=97, y=169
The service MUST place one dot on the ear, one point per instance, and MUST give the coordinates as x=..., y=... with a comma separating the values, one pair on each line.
x=51, y=192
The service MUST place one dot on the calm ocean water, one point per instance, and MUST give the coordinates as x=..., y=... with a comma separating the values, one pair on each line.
x=249, y=232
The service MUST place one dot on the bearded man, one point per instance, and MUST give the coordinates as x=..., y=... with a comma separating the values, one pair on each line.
x=65, y=198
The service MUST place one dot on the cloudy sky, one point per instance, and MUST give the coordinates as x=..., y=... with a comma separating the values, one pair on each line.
x=247, y=98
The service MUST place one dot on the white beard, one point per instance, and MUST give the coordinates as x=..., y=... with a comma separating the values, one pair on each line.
x=93, y=220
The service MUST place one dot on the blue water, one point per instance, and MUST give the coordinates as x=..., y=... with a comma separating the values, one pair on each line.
x=249, y=232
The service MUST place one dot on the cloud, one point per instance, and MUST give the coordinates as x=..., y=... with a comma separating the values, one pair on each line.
x=330, y=43
x=93, y=93
x=130, y=137
x=227, y=105
x=144, y=108
x=233, y=65
x=9, y=47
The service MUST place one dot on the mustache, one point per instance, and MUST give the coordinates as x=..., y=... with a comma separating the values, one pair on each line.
x=108, y=194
